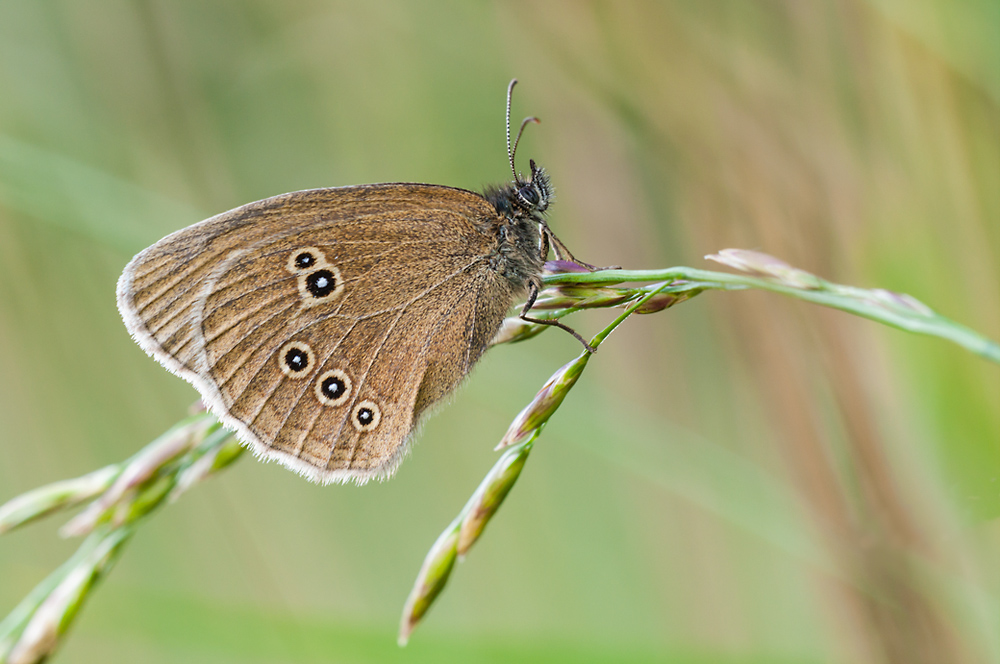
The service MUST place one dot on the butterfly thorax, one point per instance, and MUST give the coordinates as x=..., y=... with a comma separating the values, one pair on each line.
x=521, y=206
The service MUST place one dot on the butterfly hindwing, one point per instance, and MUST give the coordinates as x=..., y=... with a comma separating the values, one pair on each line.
x=322, y=324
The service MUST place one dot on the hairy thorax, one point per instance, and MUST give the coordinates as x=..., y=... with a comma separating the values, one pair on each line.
x=517, y=255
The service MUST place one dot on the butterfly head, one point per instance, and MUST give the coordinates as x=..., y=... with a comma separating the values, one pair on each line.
x=535, y=193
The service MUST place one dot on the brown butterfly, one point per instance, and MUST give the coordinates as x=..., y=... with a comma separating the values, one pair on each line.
x=321, y=325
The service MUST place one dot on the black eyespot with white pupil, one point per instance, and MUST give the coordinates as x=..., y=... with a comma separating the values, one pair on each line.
x=296, y=360
x=333, y=387
x=366, y=416
x=304, y=260
x=321, y=283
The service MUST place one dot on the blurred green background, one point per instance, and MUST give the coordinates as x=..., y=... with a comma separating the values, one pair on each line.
x=739, y=479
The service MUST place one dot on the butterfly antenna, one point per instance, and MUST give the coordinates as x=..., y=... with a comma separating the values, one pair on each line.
x=510, y=152
x=524, y=123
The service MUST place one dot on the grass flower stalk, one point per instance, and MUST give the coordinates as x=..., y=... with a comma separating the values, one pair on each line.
x=454, y=542
x=121, y=496
x=36, y=630
x=54, y=497
x=433, y=575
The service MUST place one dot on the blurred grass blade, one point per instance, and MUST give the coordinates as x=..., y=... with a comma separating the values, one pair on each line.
x=69, y=194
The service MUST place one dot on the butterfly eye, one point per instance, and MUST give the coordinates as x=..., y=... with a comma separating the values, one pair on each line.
x=333, y=387
x=529, y=195
x=295, y=359
x=366, y=416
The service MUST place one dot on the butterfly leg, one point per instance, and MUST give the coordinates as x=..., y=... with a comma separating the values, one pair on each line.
x=543, y=246
x=563, y=253
x=533, y=288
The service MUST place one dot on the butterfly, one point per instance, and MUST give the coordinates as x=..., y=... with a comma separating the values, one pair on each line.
x=321, y=325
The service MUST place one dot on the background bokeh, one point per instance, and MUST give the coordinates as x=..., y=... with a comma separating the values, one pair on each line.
x=739, y=479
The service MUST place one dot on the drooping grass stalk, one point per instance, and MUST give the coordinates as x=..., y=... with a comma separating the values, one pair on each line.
x=466, y=528
x=893, y=309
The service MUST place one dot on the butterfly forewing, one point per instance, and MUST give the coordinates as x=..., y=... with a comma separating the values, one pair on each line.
x=322, y=324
